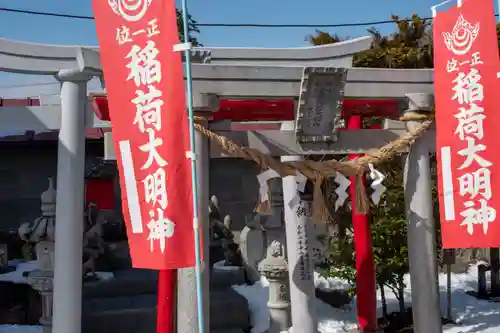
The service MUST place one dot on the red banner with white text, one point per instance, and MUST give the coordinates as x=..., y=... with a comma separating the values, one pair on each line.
x=145, y=88
x=466, y=63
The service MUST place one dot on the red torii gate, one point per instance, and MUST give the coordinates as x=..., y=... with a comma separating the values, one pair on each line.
x=353, y=113
x=264, y=111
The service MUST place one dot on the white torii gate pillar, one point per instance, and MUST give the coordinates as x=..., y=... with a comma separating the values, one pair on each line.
x=421, y=226
x=67, y=308
x=300, y=264
x=73, y=66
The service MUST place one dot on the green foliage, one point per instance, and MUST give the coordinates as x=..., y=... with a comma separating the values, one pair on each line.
x=322, y=38
x=388, y=223
x=389, y=232
x=341, y=261
x=192, y=28
x=410, y=46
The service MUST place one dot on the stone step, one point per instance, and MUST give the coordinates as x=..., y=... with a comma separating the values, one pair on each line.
x=228, y=311
x=133, y=282
x=226, y=276
x=133, y=322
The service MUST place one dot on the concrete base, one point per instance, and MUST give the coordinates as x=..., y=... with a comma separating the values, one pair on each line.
x=127, y=304
x=228, y=313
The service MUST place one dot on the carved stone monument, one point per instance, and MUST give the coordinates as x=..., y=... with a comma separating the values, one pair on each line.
x=41, y=233
x=252, y=245
x=262, y=232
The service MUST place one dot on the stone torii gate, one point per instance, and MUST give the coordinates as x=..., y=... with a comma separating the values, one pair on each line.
x=234, y=73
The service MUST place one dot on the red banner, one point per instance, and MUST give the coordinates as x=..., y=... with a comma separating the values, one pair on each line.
x=145, y=87
x=465, y=79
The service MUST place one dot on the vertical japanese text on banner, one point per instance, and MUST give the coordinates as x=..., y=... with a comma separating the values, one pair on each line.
x=145, y=72
x=474, y=173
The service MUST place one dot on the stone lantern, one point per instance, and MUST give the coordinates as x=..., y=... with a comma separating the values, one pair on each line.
x=274, y=265
x=275, y=268
x=41, y=233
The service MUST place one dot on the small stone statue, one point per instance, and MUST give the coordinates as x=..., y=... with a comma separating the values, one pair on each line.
x=275, y=249
x=93, y=246
x=231, y=250
x=43, y=228
x=222, y=231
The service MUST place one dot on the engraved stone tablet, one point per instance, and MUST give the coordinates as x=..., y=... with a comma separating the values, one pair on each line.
x=320, y=104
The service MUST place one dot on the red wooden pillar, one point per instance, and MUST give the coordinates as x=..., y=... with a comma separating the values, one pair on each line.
x=366, y=287
x=165, y=312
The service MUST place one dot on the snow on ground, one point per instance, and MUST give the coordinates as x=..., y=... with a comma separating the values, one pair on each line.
x=472, y=315
x=22, y=267
x=17, y=275
x=20, y=329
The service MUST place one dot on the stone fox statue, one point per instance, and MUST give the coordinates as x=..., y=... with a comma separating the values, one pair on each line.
x=93, y=245
x=221, y=230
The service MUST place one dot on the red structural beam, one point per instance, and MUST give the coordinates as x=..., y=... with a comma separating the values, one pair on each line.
x=269, y=110
x=19, y=102
x=243, y=110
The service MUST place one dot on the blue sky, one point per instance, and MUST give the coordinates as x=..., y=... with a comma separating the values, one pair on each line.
x=70, y=31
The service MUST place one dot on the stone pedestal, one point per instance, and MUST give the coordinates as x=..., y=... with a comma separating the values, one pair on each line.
x=42, y=281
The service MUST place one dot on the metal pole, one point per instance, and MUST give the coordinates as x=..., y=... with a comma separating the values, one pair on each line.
x=196, y=223
x=67, y=309
x=448, y=293
x=300, y=265
x=421, y=231
x=203, y=172
x=186, y=283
